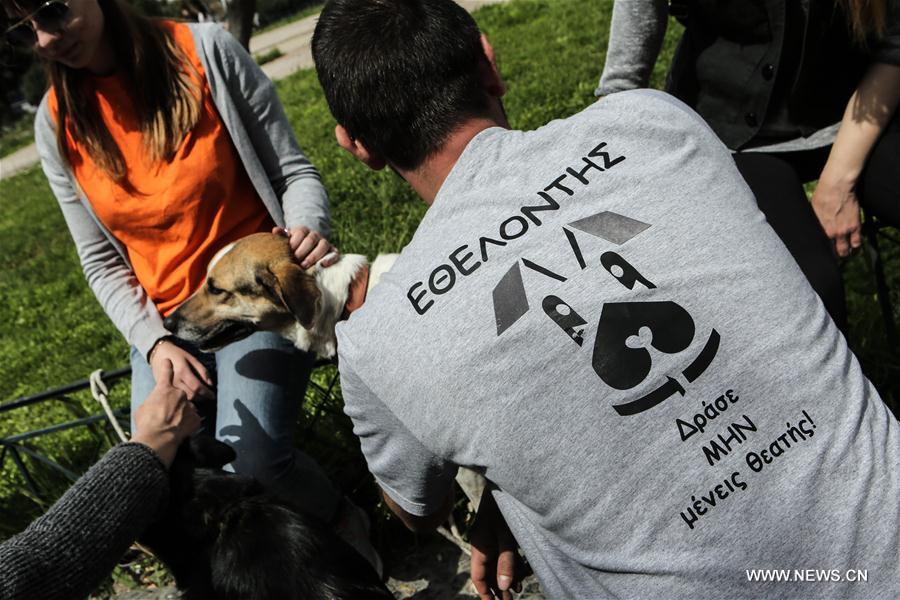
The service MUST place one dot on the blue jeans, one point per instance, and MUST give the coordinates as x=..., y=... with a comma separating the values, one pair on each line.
x=260, y=385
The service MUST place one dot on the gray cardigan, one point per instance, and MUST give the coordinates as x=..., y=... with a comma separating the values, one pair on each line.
x=68, y=551
x=636, y=35
x=285, y=180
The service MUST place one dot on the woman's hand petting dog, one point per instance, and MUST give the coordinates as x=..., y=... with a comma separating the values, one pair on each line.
x=309, y=247
x=190, y=376
x=166, y=418
x=496, y=567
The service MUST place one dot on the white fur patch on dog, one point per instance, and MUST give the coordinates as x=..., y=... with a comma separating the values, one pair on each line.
x=381, y=265
x=219, y=256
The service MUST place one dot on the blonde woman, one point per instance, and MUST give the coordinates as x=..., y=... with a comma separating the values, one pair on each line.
x=164, y=142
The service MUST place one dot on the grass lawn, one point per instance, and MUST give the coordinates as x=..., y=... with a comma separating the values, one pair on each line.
x=301, y=14
x=52, y=331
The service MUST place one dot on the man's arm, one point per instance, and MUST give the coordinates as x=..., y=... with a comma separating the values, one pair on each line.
x=635, y=37
x=496, y=567
x=419, y=523
x=416, y=484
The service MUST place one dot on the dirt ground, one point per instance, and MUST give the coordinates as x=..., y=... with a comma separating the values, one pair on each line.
x=438, y=570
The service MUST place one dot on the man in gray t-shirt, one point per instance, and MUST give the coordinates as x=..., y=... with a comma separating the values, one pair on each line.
x=596, y=316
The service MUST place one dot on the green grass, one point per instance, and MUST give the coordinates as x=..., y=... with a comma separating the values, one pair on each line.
x=52, y=330
x=262, y=58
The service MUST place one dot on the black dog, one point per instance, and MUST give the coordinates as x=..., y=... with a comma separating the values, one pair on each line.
x=224, y=537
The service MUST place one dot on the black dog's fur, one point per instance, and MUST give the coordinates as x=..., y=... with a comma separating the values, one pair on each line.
x=224, y=537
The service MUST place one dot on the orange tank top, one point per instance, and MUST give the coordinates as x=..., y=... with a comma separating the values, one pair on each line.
x=178, y=214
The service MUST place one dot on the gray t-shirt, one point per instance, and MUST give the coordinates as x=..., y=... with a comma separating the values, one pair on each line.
x=597, y=317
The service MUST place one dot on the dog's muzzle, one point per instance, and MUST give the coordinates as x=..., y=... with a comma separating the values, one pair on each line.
x=217, y=337
x=173, y=322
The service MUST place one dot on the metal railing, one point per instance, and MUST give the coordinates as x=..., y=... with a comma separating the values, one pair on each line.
x=872, y=229
x=17, y=448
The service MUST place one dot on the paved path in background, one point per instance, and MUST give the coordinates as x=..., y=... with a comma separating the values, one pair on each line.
x=292, y=40
x=18, y=161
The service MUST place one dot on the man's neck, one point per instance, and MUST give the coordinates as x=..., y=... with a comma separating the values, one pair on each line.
x=428, y=178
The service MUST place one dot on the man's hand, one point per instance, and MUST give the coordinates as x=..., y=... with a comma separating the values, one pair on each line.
x=309, y=247
x=496, y=566
x=837, y=208
x=188, y=374
x=166, y=418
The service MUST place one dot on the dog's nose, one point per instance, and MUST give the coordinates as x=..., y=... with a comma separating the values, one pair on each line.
x=172, y=322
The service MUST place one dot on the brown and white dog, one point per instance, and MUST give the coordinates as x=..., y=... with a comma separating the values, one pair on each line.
x=255, y=284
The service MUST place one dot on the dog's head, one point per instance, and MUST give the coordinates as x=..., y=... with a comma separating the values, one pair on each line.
x=251, y=285
x=180, y=534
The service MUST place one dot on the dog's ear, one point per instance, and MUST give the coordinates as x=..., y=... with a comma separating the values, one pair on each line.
x=296, y=290
x=211, y=453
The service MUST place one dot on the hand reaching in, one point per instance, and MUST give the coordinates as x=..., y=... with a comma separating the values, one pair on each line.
x=166, y=418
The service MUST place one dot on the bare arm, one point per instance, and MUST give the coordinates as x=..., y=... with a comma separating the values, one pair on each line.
x=868, y=112
x=418, y=523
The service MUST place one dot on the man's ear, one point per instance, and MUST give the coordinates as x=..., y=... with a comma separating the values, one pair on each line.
x=296, y=290
x=490, y=74
x=357, y=149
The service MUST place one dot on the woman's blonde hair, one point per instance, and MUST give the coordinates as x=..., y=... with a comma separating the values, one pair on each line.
x=162, y=81
x=865, y=18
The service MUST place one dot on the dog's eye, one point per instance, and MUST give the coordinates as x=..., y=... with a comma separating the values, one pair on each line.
x=212, y=289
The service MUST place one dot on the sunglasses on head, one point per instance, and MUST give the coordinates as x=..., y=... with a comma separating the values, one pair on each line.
x=50, y=16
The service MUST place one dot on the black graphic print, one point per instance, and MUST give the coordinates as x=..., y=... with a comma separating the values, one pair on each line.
x=564, y=316
x=623, y=366
x=625, y=330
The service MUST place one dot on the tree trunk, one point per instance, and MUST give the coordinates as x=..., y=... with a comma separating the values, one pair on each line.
x=240, y=20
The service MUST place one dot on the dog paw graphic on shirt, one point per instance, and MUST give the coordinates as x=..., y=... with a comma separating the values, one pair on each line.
x=625, y=330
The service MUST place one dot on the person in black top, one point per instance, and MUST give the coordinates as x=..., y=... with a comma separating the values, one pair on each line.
x=799, y=91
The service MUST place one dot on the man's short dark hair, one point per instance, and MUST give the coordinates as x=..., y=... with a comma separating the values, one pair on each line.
x=400, y=75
